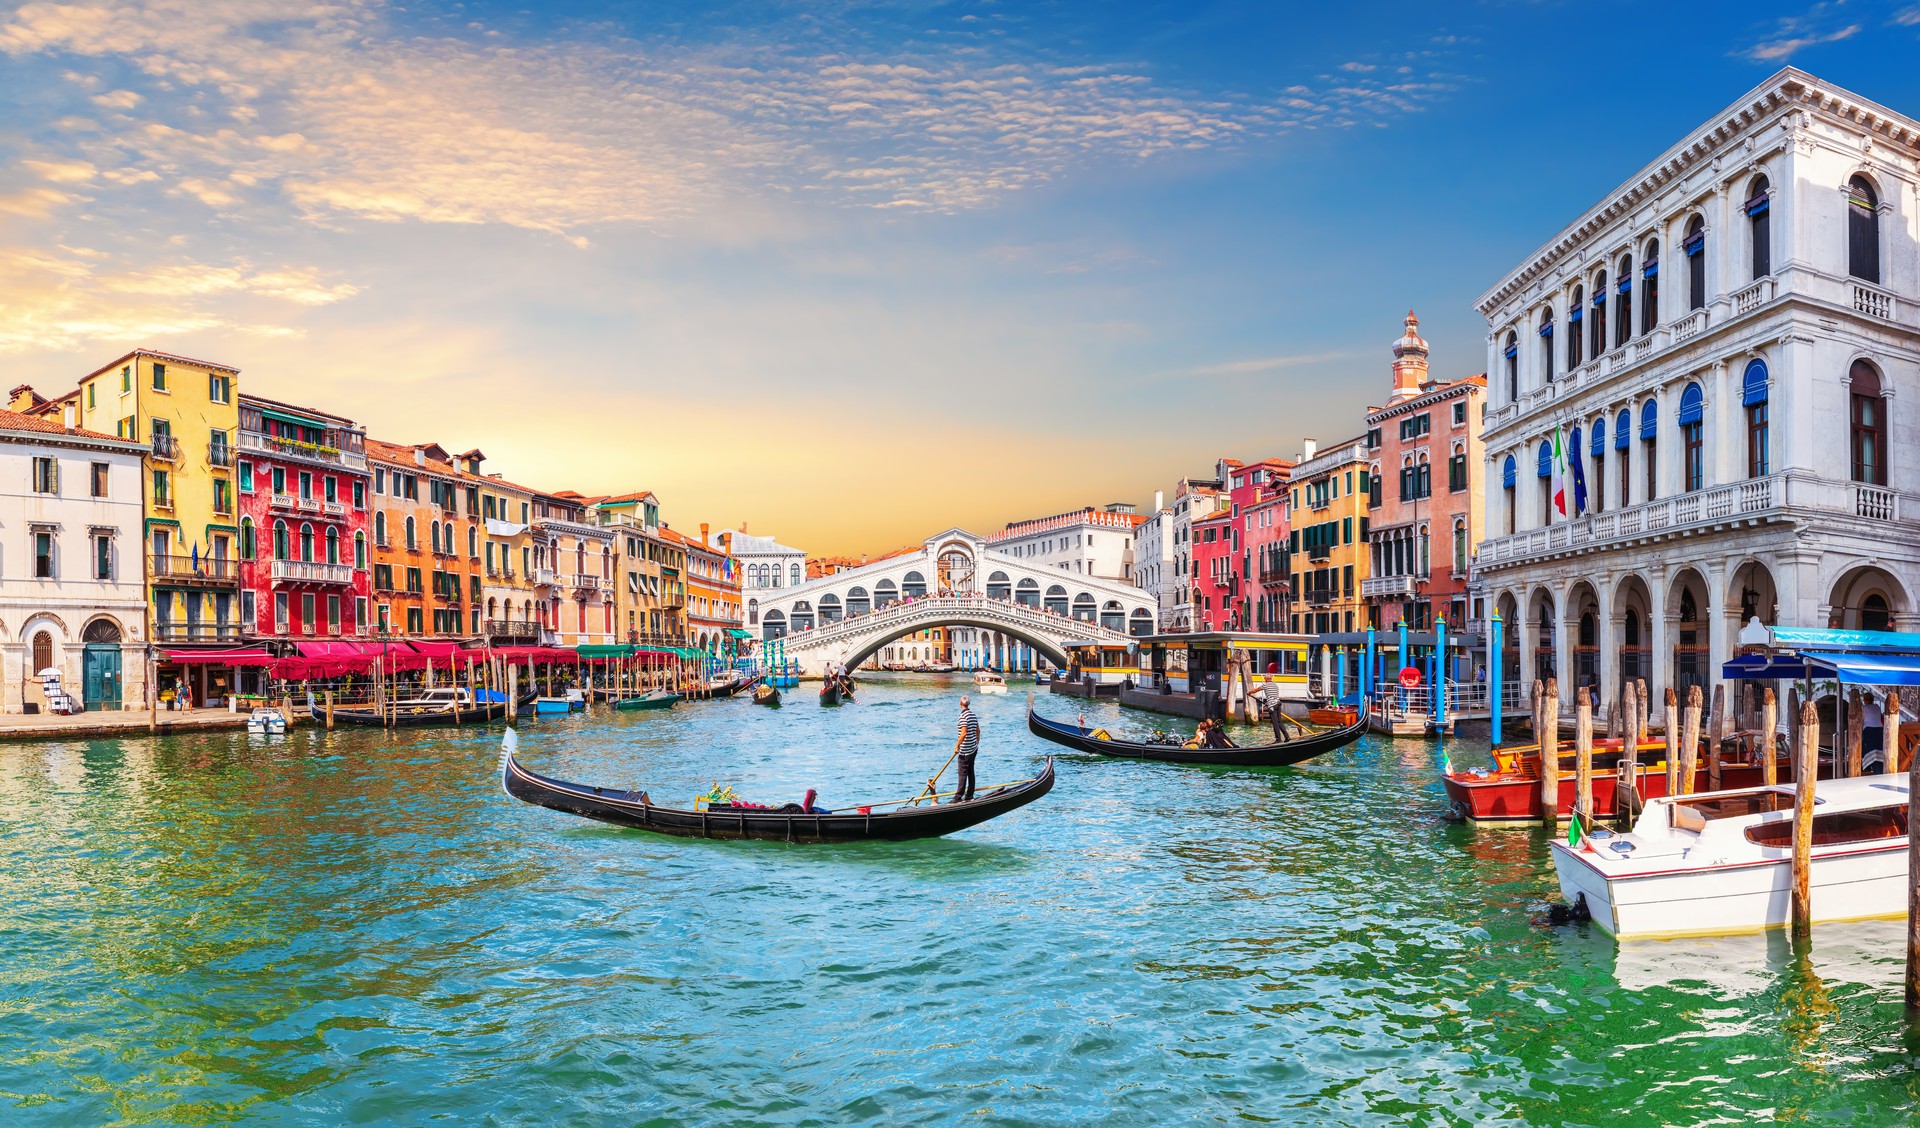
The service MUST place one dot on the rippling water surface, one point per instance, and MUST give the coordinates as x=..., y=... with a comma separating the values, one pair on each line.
x=360, y=927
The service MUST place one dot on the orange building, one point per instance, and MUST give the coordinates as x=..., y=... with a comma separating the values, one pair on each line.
x=426, y=542
x=713, y=611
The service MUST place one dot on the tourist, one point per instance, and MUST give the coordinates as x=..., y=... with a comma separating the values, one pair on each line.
x=1213, y=735
x=966, y=746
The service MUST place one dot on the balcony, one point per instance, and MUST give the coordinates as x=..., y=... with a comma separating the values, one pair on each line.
x=305, y=452
x=584, y=581
x=1322, y=598
x=164, y=448
x=185, y=571
x=337, y=509
x=308, y=506
x=311, y=572
x=446, y=597
x=507, y=630
x=219, y=454
x=1386, y=587
x=1320, y=552
x=196, y=632
x=1872, y=301
x=545, y=577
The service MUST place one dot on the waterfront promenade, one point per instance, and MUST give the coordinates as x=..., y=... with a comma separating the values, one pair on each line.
x=46, y=726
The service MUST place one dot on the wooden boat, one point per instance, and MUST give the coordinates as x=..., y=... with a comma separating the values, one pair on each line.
x=1720, y=863
x=1257, y=755
x=830, y=693
x=726, y=687
x=905, y=820
x=434, y=707
x=1336, y=716
x=986, y=681
x=765, y=695
x=1509, y=792
x=656, y=699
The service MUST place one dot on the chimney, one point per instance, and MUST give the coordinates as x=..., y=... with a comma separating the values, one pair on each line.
x=703, y=532
x=863, y=561
x=1159, y=500
x=1307, y=448
x=66, y=412
x=21, y=398
x=726, y=543
x=1409, y=361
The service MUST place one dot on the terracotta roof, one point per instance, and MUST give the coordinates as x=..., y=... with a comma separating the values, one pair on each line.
x=40, y=424
x=279, y=405
x=622, y=499
x=162, y=356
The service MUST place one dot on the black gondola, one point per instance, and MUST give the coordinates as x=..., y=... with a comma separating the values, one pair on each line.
x=848, y=824
x=830, y=692
x=1255, y=755
x=433, y=709
x=764, y=694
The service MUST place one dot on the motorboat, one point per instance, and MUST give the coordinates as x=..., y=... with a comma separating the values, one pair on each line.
x=441, y=706
x=267, y=722
x=653, y=699
x=1721, y=863
x=986, y=681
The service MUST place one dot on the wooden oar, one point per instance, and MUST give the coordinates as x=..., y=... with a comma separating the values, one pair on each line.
x=924, y=795
x=933, y=783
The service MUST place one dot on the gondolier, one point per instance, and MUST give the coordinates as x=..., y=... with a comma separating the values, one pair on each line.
x=966, y=746
x=1268, y=695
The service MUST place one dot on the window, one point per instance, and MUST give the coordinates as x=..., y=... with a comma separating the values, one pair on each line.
x=1546, y=344
x=1650, y=288
x=1753, y=396
x=219, y=388
x=1863, y=230
x=281, y=545
x=246, y=538
x=46, y=475
x=1759, y=226
x=1459, y=413
x=333, y=545
x=413, y=540
x=1545, y=474
x=126, y=378
x=1693, y=449
x=306, y=486
x=1576, y=312
x=159, y=377
x=1695, y=248
x=332, y=490
x=359, y=494
x=413, y=580
x=1597, y=314
x=360, y=551
x=246, y=477
x=473, y=543
x=333, y=614
x=1597, y=495
x=42, y=555
x=1457, y=472
x=91, y=402
x=223, y=497
x=306, y=614
x=1623, y=303
x=279, y=479
x=280, y=603
x=1868, y=425
x=1512, y=353
x=102, y=556
x=162, y=489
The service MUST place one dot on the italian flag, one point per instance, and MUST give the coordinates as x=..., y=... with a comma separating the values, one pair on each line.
x=1559, y=472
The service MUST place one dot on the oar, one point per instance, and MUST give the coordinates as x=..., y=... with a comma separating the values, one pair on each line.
x=933, y=784
x=923, y=795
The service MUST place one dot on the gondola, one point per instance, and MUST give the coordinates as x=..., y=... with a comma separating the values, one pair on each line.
x=1255, y=755
x=436, y=707
x=766, y=695
x=848, y=824
x=830, y=692
x=727, y=688
x=657, y=699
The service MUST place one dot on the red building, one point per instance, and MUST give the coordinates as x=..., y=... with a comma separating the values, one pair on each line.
x=1265, y=522
x=304, y=525
x=1213, y=553
x=1240, y=552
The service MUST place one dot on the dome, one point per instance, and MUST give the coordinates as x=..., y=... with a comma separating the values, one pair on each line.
x=1410, y=342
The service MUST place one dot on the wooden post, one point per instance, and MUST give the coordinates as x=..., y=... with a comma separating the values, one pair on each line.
x=1583, y=757
x=1670, y=740
x=1856, y=718
x=1769, y=721
x=1689, y=743
x=1746, y=705
x=1793, y=724
x=1626, y=785
x=1646, y=708
x=1806, y=769
x=1614, y=712
x=286, y=709
x=153, y=693
x=329, y=710
x=1890, y=738
x=1549, y=729
x=513, y=691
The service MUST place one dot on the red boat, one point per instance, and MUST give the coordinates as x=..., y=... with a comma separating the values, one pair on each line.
x=1509, y=792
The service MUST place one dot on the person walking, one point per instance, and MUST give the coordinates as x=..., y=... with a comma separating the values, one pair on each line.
x=966, y=746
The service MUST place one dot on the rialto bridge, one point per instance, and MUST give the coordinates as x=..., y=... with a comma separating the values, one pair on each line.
x=952, y=580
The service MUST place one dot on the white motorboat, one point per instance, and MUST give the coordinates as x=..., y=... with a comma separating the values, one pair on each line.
x=267, y=722
x=986, y=681
x=1721, y=863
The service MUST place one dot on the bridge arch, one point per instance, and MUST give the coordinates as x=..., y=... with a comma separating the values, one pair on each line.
x=1051, y=651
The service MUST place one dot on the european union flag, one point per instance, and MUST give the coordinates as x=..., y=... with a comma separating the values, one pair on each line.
x=1579, y=467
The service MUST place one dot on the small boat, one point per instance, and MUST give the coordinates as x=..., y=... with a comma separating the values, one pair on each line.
x=1042, y=677
x=551, y=706
x=1509, y=792
x=986, y=681
x=656, y=699
x=434, y=707
x=726, y=687
x=267, y=722
x=1100, y=742
x=830, y=692
x=1722, y=862
x=906, y=818
x=766, y=695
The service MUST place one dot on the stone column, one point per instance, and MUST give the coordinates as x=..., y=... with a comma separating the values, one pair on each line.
x=1521, y=630
x=1660, y=635
x=1603, y=663
x=1719, y=641
x=1722, y=431
x=1563, y=636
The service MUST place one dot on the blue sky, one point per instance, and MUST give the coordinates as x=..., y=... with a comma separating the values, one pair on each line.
x=849, y=272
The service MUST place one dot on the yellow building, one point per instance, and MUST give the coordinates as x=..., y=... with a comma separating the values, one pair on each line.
x=649, y=570
x=1327, y=548
x=186, y=412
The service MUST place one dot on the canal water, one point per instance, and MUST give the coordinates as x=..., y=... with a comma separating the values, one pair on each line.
x=359, y=927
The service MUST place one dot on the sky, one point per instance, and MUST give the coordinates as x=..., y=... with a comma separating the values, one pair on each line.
x=848, y=273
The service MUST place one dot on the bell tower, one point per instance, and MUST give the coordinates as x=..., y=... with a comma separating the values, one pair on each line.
x=1409, y=361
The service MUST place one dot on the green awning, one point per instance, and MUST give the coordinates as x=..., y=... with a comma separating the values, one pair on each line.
x=736, y=632
x=602, y=650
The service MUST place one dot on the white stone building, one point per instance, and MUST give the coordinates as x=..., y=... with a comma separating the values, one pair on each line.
x=1087, y=542
x=1720, y=342
x=1163, y=544
x=765, y=565
x=72, y=578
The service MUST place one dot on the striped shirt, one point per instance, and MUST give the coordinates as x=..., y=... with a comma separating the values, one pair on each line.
x=969, y=733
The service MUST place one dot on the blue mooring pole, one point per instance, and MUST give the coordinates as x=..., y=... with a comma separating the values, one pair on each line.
x=1368, y=674
x=1493, y=674
x=1440, y=673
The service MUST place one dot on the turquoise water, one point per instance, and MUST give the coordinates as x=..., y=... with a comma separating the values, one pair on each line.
x=361, y=928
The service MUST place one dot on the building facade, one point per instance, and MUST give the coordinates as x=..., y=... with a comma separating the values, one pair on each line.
x=572, y=570
x=508, y=615
x=1717, y=346
x=305, y=534
x=427, y=571
x=1428, y=493
x=715, y=622
x=1266, y=525
x=765, y=565
x=72, y=515
x=1328, y=542
x=1091, y=542
x=1212, y=588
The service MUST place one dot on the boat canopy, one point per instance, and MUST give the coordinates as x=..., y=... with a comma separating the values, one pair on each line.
x=1848, y=669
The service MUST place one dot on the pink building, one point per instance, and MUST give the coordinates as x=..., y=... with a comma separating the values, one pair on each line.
x=1240, y=552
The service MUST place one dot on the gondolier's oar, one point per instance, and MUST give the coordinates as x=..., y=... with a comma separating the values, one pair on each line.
x=923, y=795
x=933, y=785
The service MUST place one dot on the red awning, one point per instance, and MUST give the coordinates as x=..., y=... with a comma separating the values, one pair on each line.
x=438, y=651
x=241, y=657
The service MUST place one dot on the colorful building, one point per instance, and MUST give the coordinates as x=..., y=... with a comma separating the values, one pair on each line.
x=72, y=516
x=305, y=531
x=648, y=569
x=572, y=571
x=1328, y=542
x=509, y=615
x=1089, y=541
x=1428, y=493
x=186, y=411
x=427, y=572
x=1266, y=525
x=714, y=621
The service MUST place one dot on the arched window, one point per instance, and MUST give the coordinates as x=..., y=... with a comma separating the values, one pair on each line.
x=1692, y=421
x=1623, y=303
x=1753, y=396
x=1863, y=230
x=1083, y=607
x=306, y=543
x=246, y=538
x=802, y=616
x=1874, y=613
x=333, y=545
x=1509, y=478
x=413, y=540
x=858, y=602
x=1759, y=226
x=1113, y=616
x=360, y=551
x=473, y=543
x=999, y=586
x=753, y=612
x=1512, y=354
x=1868, y=425
x=280, y=542
x=433, y=536
x=1649, y=438
x=913, y=585
x=1650, y=287
x=1696, y=252
x=1460, y=546
x=1622, y=448
x=1545, y=472
x=1597, y=480
x=380, y=528
x=1597, y=331
x=42, y=651
x=1027, y=592
x=884, y=593
x=1546, y=344
x=774, y=625
x=1057, y=599
x=1576, y=312
x=796, y=575
x=829, y=608
x=1140, y=623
